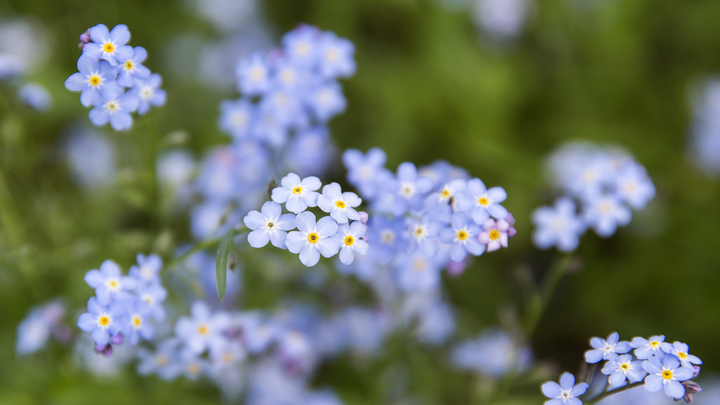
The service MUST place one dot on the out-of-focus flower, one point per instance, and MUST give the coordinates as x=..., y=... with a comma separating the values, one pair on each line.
x=36, y=96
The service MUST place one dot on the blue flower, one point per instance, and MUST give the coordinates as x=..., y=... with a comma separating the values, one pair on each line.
x=310, y=152
x=494, y=354
x=164, y=361
x=445, y=195
x=667, y=375
x=236, y=117
x=313, y=239
x=340, y=206
x=136, y=321
x=495, y=234
x=202, y=330
x=36, y=96
x=149, y=93
x=557, y=226
x=386, y=238
x=336, y=56
x=423, y=235
x=102, y=321
x=287, y=108
x=364, y=170
x=606, y=349
x=107, y=45
x=301, y=45
x=270, y=225
x=289, y=76
x=253, y=75
x=297, y=194
x=109, y=283
x=481, y=202
x=116, y=110
x=349, y=239
x=326, y=101
x=463, y=237
x=565, y=393
x=130, y=65
x=153, y=296
x=147, y=270
x=634, y=186
x=605, y=214
x=417, y=272
x=96, y=81
x=645, y=349
x=409, y=190
x=623, y=368
x=681, y=350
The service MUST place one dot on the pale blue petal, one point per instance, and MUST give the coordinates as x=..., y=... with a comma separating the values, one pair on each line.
x=551, y=389
x=258, y=238
x=87, y=322
x=309, y=256
x=296, y=241
x=674, y=389
x=76, y=82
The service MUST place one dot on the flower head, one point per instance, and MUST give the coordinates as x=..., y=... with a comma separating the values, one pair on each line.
x=130, y=65
x=622, y=369
x=102, y=321
x=606, y=349
x=557, y=226
x=483, y=203
x=107, y=45
x=149, y=93
x=644, y=348
x=296, y=193
x=269, y=225
x=667, y=375
x=349, y=238
x=96, y=81
x=340, y=206
x=682, y=351
x=202, y=329
x=495, y=234
x=565, y=393
x=462, y=235
x=313, y=239
x=115, y=110
x=109, y=283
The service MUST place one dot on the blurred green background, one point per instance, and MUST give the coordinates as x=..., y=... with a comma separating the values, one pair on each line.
x=427, y=87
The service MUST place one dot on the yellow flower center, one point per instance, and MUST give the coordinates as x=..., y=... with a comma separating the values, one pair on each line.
x=257, y=74
x=349, y=240
x=667, y=374
x=654, y=344
x=148, y=299
x=193, y=368
x=113, y=283
x=161, y=360
x=227, y=357
x=313, y=238
x=112, y=106
x=483, y=201
x=128, y=65
x=297, y=190
x=340, y=204
x=104, y=320
x=108, y=47
x=625, y=366
x=682, y=355
x=494, y=234
x=387, y=236
x=445, y=193
x=203, y=330
x=462, y=235
x=419, y=232
x=136, y=321
x=419, y=264
x=94, y=80
x=270, y=224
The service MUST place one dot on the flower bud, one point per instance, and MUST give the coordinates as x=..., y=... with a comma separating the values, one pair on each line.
x=116, y=339
x=363, y=217
x=691, y=388
x=85, y=38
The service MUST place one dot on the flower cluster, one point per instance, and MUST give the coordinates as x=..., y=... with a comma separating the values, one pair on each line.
x=655, y=364
x=494, y=354
x=425, y=219
x=343, y=231
x=42, y=323
x=124, y=307
x=112, y=78
x=606, y=182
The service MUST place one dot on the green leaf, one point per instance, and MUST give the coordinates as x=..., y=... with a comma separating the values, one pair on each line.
x=221, y=263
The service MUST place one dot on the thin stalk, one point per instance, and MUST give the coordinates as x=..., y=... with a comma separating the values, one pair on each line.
x=208, y=243
x=613, y=392
x=542, y=299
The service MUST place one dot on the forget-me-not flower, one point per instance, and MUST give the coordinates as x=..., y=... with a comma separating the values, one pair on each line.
x=482, y=202
x=606, y=349
x=565, y=393
x=349, y=239
x=463, y=236
x=297, y=194
x=445, y=195
x=203, y=329
x=107, y=45
x=423, y=235
x=624, y=368
x=109, y=283
x=667, y=375
x=417, y=272
x=253, y=75
x=605, y=214
x=149, y=93
x=327, y=101
x=336, y=56
x=102, y=321
x=269, y=225
x=236, y=117
x=136, y=322
x=364, y=170
x=681, y=350
x=647, y=348
x=340, y=206
x=557, y=226
x=96, y=81
x=130, y=65
x=495, y=234
x=409, y=190
x=147, y=270
x=313, y=239
x=116, y=110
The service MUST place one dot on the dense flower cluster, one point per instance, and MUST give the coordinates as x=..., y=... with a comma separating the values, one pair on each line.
x=124, y=307
x=494, y=354
x=425, y=219
x=657, y=364
x=705, y=141
x=112, y=78
x=606, y=182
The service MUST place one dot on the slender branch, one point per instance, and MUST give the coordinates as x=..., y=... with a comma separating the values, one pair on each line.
x=542, y=299
x=613, y=392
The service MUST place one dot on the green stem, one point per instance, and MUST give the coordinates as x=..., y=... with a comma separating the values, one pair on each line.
x=613, y=392
x=543, y=297
x=208, y=243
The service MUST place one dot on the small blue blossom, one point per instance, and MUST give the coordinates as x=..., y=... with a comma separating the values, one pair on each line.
x=408, y=190
x=349, y=238
x=481, y=202
x=605, y=214
x=269, y=225
x=287, y=108
x=297, y=194
x=313, y=239
x=417, y=272
x=622, y=369
x=149, y=93
x=565, y=393
x=557, y=226
x=147, y=270
x=109, y=283
x=136, y=322
x=364, y=170
x=202, y=330
x=634, y=186
x=463, y=237
x=386, y=238
x=445, y=195
x=336, y=56
x=494, y=354
x=236, y=117
x=667, y=375
x=340, y=206
x=153, y=296
x=130, y=65
x=310, y=151
x=36, y=96
x=253, y=75
x=681, y=350
x=96, y=81
x=606, y=349
x=423, y=235
x=107, y=45
x=102, y=321
x=163, y=361
x=301, y=45
x=327, y=101
x=116, y=111
x=645, y=349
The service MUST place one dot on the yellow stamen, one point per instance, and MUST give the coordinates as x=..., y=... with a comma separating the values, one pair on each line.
x=313, y=238
x=203, y=330
x=108, y=47
x=494, y=234
x=340, y=204
x=94, y=80
x=128, y=65
x=462, y=235
x=667, y=374
x=349, y=240
x=104, y=320
x=483, y=201
x=297, y=190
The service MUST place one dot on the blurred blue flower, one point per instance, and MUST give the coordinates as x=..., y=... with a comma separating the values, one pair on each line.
x=605, y=214
x=253, y=75
x=36, y=96
x=557, y=226
x=96, y=81
x=202, y=330
x=109, y=283
x=102, y=321
x=149, y=93
x=236, y=117
x=136, y=322
x=364, y=170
